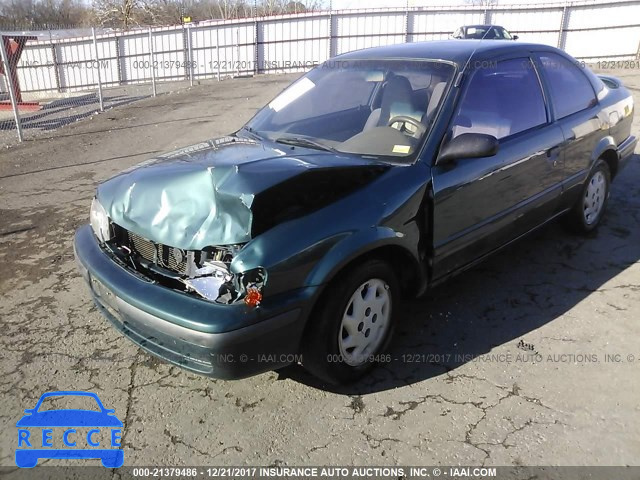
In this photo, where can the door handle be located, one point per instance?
(552, 155)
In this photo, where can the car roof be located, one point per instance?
(482, 26)
(451, 50)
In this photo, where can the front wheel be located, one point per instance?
(589, 210)
(352, 323)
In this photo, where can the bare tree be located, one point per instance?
(270, 7)
(35, 14)
(130, 13)
(113, 13)
(126, 14)
(302, 6)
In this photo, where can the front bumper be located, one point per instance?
(220, 341)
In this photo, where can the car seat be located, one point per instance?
(397, 99)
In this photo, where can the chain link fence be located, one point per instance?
(47, 85)
(51, 82)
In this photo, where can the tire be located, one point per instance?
(588, 211)
(361, 305)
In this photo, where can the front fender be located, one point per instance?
(358, 245)
(309, 250)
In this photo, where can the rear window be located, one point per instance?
(570, 89)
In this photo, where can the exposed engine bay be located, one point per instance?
(205, 273)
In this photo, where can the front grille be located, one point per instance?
(177, 260)
(143, 247)
(172, 258)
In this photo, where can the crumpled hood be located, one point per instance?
(205, 195)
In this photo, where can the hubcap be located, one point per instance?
(594, 198)
(365, 322)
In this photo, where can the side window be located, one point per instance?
(501, 99)
(501, 33)
(570, 89)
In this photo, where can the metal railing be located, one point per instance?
(63, 80)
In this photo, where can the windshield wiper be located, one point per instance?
(252, 132)
(304, 142)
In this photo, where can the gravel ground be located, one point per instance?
(463, 388)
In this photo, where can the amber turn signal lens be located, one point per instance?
(253, 297)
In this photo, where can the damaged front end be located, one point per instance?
(205, 273)
(181, 219)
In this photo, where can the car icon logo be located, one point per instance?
(69, 433)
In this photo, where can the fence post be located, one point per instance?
(563, 21)
(238, 51)
(232, 55)
(54, 57)
(95, 52)
(406, 23)
(118, 58)
(218, 50)
(330, 33)
(153, 68)
(256, 58)
(10, 87)
(56, 72)
(189, 55)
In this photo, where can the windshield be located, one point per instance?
(365, 107)
(488, 33)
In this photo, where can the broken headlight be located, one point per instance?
(100, 222)
(214, 281)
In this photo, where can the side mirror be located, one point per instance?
(468, 145)
(515, 37)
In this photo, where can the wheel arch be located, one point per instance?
(606, 150)
(401, 261)
(610, 157)
(407, 269)
(410, 275)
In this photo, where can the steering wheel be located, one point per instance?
(404, 119)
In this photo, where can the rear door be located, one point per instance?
(482, 203)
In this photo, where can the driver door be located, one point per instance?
(482, 203)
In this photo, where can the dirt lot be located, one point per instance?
(478, 398)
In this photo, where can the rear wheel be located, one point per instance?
(352, 324)
(590, 207)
